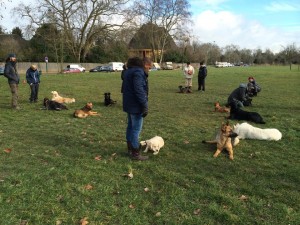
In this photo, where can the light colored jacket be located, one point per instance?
(189, 71)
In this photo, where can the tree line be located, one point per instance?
(99, 31)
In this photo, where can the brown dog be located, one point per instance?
(224, 139)
(219, 108)
(85, 111)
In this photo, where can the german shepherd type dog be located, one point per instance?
(53, 105)
(107, 100)
(219, 108)
(85, 111)
(238, 114)
(224, 139)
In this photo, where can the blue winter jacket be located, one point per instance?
(135, 90)
(32, 76)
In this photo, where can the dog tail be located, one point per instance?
(209, 142)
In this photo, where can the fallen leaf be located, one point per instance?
(84, 221)
(58, 222)
(129, 174)
(186, 142)
(146, 189)
(98, 157)
(243, 197)
(131, 206)
(24, 222)
(8, 150)
(88, 187)
(197, 211)
(113, 156)
(158, 214)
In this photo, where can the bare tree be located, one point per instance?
(171, 15)
(80, 22)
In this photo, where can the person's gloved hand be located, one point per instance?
(145, 112)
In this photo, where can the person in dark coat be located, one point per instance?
(238, 97)
(253, 87)
(201, 77)
(33, 79)
(135, 102)
(11, 73)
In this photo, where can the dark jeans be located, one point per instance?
(134, 128)
(34, 92)
(201, 83)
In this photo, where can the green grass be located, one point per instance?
(43, 179)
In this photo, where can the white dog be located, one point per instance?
(154, 144)
(56, 97)
(247, 131)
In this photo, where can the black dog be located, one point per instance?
(53, 105)
(239, 114)
(107, 100)
(182, 89)
(248, 102)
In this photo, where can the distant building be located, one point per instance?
(147, 42)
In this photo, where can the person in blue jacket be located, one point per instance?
(33, 79)
(135, 102)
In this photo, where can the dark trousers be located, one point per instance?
(34, 92)
(201, 83)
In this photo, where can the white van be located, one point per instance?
(116, 66)
(76, 66)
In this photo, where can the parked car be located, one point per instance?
(106, 68)
(116, 66)
(1, 70)
(168, 66)
(96, 69)
(71, 70)
(76, 66)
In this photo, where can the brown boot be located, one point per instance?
(135, 154)
(129, 147)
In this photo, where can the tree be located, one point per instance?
(17, 31)
(170, 15)
(79, 22)
(291, 54)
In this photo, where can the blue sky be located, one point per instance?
(251, 24)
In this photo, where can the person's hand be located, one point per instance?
(145, 112)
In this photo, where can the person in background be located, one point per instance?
(188, 74)
(253, 87)
(122, 76)
(11, 73)
(237, 98)
(201, 77)
(135, 102)
(33, 79)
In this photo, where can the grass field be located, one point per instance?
(55, 169)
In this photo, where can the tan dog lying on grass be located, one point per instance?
(219, 108)
(56, 97)
(85, 111)
(224, 140)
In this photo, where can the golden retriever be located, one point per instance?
(56, 97)
(224, 140)
(85, 111)
(219, 108)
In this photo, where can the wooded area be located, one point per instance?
(100, 31)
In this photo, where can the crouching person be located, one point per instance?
(135, 102)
